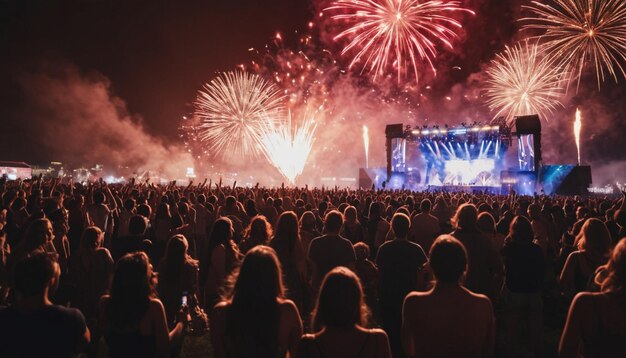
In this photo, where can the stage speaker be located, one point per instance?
(394, 131)
(577, 182)
(528, 124)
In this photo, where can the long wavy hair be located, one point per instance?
(131, 291)
(612, 276)
(594, 237)
(259, 229)
(288, 232)
(175, 258)
(252, 316)
(340, 302)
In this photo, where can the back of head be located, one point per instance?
(466, 217)
(131, 290)
(34, 273)
(37, 234)
(230, 201)
(260, 229)
(287, 226)
(425, 206)
(91, 239)
(144, 210)
(129, 204)
(351, 214)
(259, 280)
(595, 237)
(361, 250)
(333, 222)
(400, 224)
(534, 211)
(340, 301)
(222, 232)
(521, 230)
(448, 259)
(137, 225)
(98, 197)
(486, 223)
(307, 221)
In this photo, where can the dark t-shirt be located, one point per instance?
(327, 252)
(398, 262)
(524, 265)
(50, 331)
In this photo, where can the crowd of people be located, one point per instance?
(130, 270)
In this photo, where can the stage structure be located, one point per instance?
(465, 157)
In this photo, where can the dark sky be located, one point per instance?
(156, 54)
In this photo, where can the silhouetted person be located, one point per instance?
(399, 262)
(596, 322)
(448, 320)
(34, 327)
(339, 321)
(331, 250)
(255, 319)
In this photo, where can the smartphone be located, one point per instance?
(183, 301)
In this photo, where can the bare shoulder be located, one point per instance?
(378, 333)
(104, 300)
(288, 309)
(221, 306)
(585, 299)
(156, 305)
(415, 297)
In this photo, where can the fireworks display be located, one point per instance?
(581, 32)
(401, 34)
(233, 110)
(521, 82)
(288, 146)
(577, 127)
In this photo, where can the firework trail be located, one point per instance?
(366, 144)
(580, 32)
(398, 33)
(233, 110)
(520, 82)
(577, 127)
(288, 147)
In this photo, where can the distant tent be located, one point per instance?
(15, 170)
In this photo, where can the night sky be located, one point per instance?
(156, 54)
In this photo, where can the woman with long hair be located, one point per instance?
(178, 276)
(219, 259)
(254, 319)
(596, 322)
(308, 231)
(594, 247)
(525, 267)
(133, 318)
(162, 229)
(339, 320)
(286, 242)
(258, 232)
(91, 270)
(352, 228)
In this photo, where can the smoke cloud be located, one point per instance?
(80, 122)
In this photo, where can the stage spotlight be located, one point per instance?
(415, 132)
